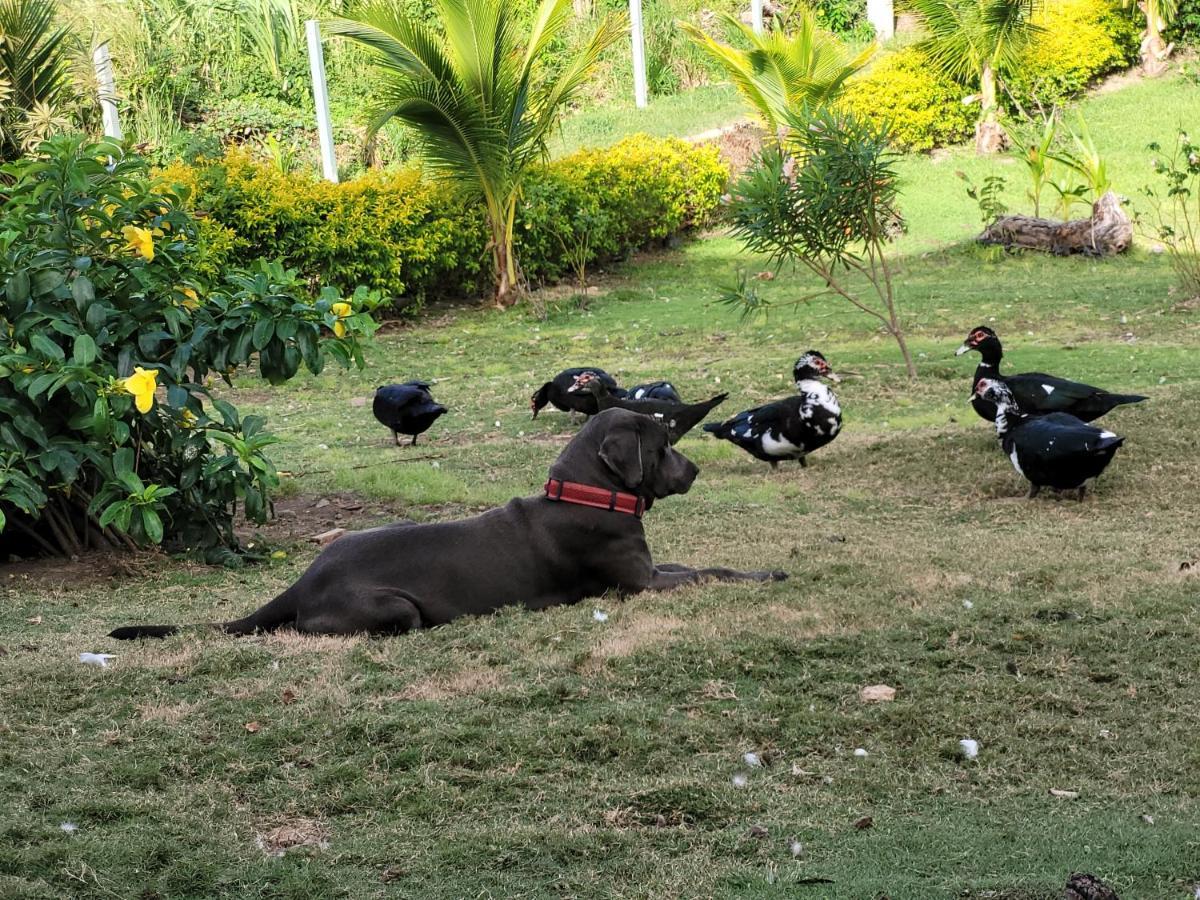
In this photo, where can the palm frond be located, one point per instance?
(782, 72)
(401, 44)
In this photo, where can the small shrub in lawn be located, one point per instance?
(109, 333)
(1175, 216)
(826, 200)
(922, 108)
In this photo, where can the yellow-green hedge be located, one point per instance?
(1081, 41)
(412, 237)
(924, 108)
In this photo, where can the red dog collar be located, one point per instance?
(598, 497)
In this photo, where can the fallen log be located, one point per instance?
(1107, 233)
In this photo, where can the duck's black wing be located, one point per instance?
(1036, 392)
(654, 390)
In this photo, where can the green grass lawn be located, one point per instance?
(676, 115)
(554, 755)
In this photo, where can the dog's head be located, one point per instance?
(627, 452)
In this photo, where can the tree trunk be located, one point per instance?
(504, 261)
(1154, 49)
(1106, 233)
(989, 136)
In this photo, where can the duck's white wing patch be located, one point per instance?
(1048, 388)
(780, 447)
(1016, 464)
(1106, 434)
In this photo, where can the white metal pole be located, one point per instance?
(108, 91)
(639, 53)
(756, 15)
(316, 62)
(881, 14)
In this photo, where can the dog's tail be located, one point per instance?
(274, 614)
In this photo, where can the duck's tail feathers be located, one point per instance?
(1120, 399)
(714, 428)
(1110, 442)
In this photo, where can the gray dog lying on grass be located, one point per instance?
(581, 538)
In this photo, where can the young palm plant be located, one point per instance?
(974, 42)
(1155, 50)
(477, 95)
(35, 71)
(783, 71)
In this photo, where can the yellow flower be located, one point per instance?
(139, 240)
(142, 385)
(191, 299)
(341, 310)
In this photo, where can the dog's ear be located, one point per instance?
(621, 451)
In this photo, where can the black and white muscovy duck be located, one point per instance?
(557, 392)
(1056, 450)
(1036, 392)
(791, 428)
(406, 408)
(680, 418)
(654, 390)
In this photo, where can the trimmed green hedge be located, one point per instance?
(925, 109)
(412, 238)
(1083, 41)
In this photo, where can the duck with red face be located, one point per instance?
(1035, 393)
(793, 427)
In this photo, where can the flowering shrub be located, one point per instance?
(410, 238)
(109, 336)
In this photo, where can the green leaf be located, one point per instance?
(100, 418)
(47, 347)
(131, 482)
(97, 315)
(47, 280)
(229, 413)
(85, 351)
(17, 289)
(252, 425)
(177, 397)
(264, 330)
(41, 383)
(113, 511)
(152, 524)
(123, 461)
(83, 291)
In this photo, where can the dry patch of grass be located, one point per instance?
(292, 834)
(167, 713)
(635, 632)
(466, 682)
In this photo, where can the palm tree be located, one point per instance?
(477, 95)
(975, 41)
(35, 74)
(782, 71)
(1159, 14)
